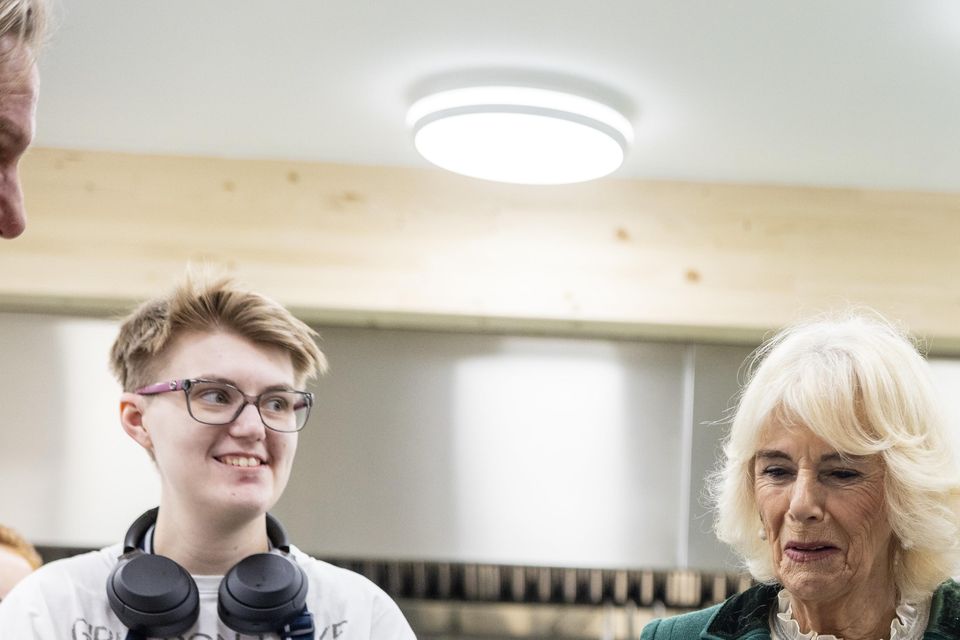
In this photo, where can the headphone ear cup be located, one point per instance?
(153, 595)
(262, 593)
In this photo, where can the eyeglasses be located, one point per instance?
(218, 403)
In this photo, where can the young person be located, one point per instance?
(212, 378)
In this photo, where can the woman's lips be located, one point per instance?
(809, 552)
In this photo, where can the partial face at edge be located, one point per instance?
(18, 101)
(823, 513)
(13, 569)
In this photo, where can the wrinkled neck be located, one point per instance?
(863, 615)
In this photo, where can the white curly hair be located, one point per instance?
(861, 385)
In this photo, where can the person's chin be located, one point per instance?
(249, 498)
(811, 583)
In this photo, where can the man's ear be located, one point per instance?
(131, 419)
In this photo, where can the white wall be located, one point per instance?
(69, 474)
(946, 376)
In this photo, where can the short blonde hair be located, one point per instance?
(860, 384)
(25, 20)
(217, 305)
(12, 539)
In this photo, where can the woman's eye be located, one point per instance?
(775, 472)
(844, 474)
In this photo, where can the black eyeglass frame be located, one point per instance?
(186, 384)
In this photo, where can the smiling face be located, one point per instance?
(823, 515)
(238, 469)
(18, 102)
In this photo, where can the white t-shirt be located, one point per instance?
(67, 599)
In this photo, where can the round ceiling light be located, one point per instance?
(520, 134)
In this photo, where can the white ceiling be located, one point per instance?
(822, 92)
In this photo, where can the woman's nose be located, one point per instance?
(806, 499)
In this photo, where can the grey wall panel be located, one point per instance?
(716, 386)
(488, 448)
(32, 431)
(69, 475)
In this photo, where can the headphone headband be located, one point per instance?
(135, 534)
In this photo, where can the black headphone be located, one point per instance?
(154, 596)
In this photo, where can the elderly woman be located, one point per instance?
(841, 492)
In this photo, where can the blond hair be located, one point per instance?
(25, 20)
(217, 305)
(860, 384)
(12, 539)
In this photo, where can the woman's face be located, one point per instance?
(823, 514)
(237, 467)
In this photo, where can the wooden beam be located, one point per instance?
(424, 248)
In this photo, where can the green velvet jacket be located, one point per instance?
(747, 616)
